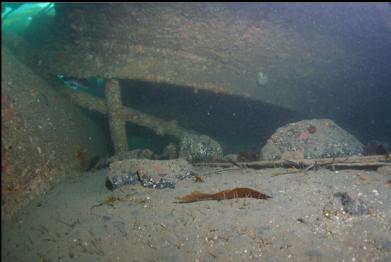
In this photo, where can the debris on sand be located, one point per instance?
(226, 194)
(247, 156)
(377, 148)
(110, 200)
(352, 204)
(198, 179)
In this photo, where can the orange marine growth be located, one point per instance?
(311, 129)
(226, 194)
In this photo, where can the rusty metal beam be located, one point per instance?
(159, 126)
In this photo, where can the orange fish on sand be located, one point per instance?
(226, 194)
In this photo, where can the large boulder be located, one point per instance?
(317, 138)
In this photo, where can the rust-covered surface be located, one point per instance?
(221, 47)
(44, 136)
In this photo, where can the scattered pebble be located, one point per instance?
(375, 192)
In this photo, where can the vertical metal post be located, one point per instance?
(116, 121)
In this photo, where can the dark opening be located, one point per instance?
(236, 123)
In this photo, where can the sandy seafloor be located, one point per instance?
(147, 224)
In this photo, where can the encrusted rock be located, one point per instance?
(317, 138)
(195, 148)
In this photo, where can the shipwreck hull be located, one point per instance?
(218, 47)
(301, 58)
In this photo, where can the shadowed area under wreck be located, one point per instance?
(236, 122)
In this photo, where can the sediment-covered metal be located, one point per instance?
(43, 136)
